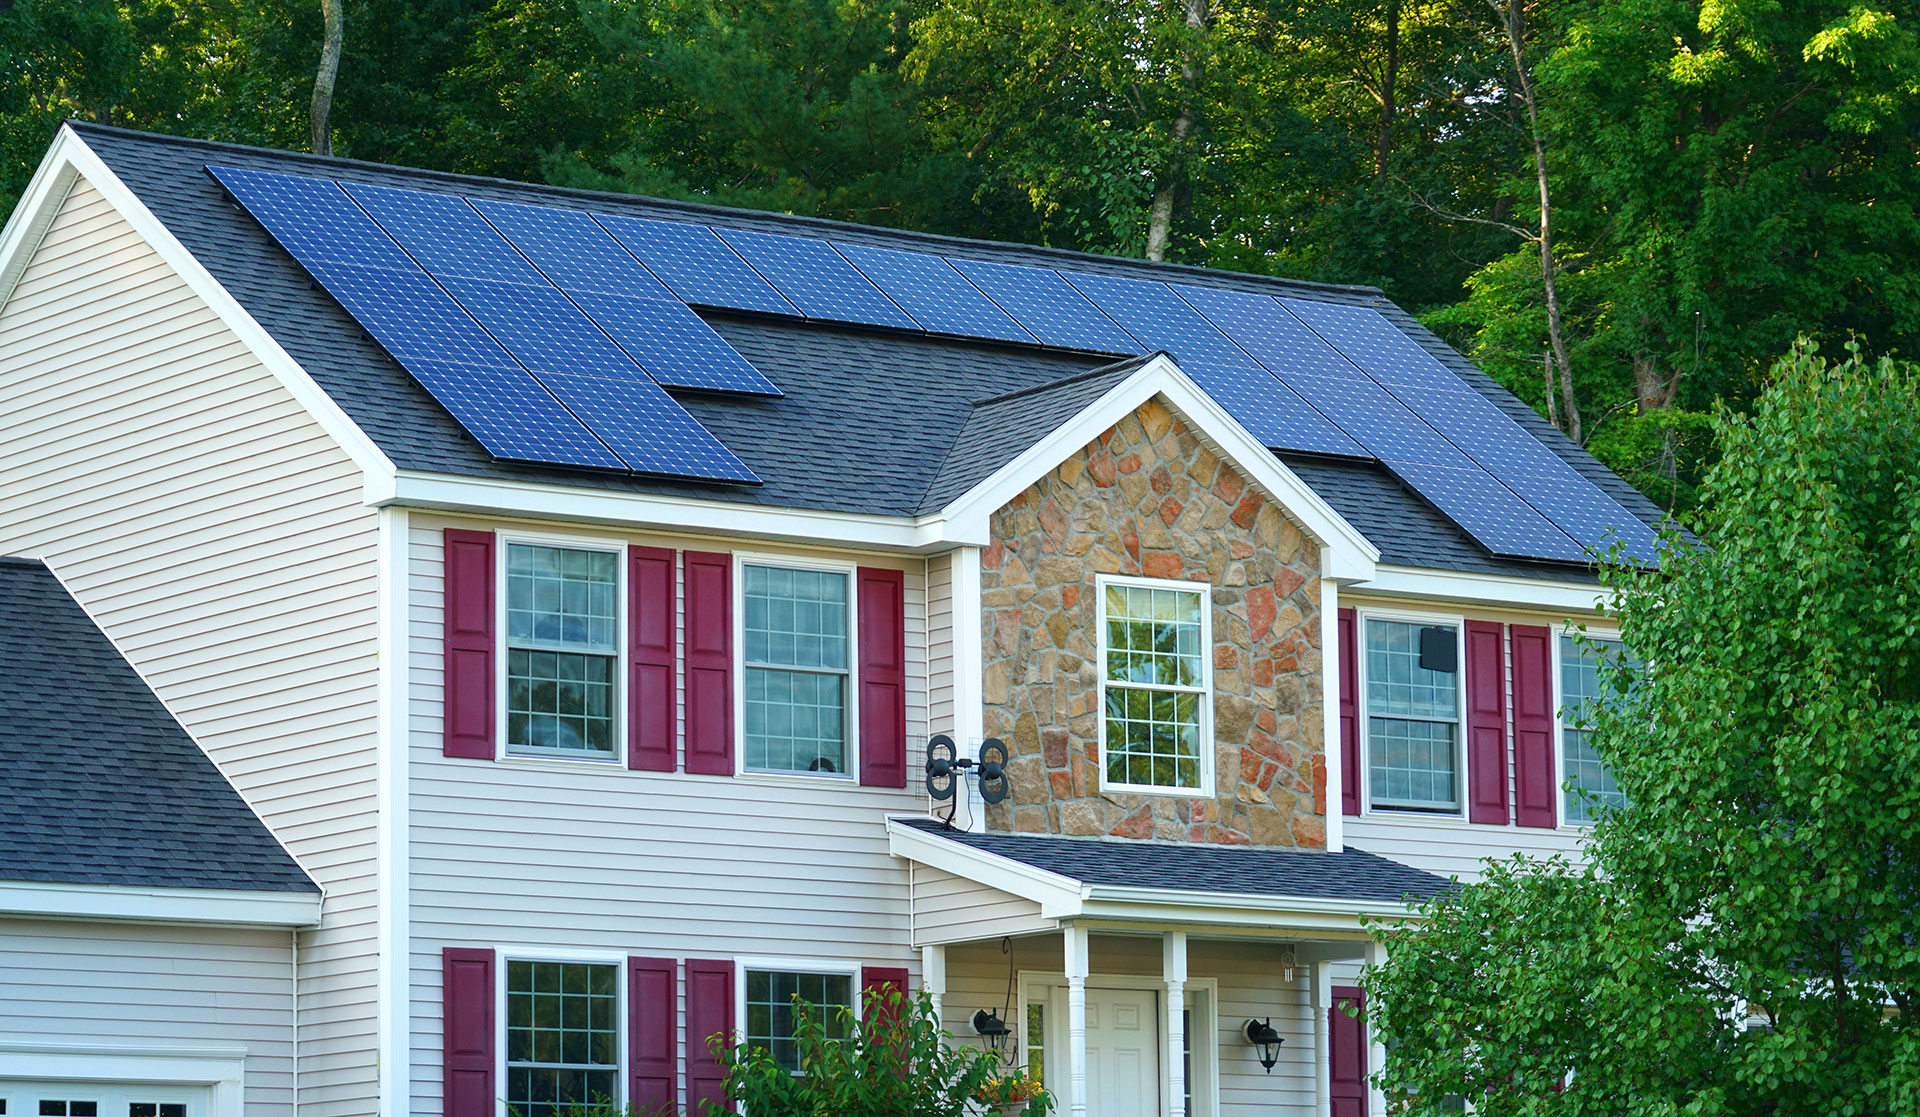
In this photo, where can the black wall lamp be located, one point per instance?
(990, 1027)
(1260, 1033)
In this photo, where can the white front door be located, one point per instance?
(1123, 1052)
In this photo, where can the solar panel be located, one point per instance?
(542, 328)
(1489, 511)
(312, 218)
(410, 315)
(1261, 326)
(647, 427)
(1153, 313)
(444, 234)
(1487, 434)
(511, 414)
(1376, 420)
(816, 279)
(1378, 346)
(1047, 306)
(1586, 512)
(1271, 412)
(574, 251)
(937, 297)
(673, 344)
(695, 264)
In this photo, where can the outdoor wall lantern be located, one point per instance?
(1260, 1033)
(990, 1027)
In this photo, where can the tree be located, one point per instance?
(334, 16)
(1742, 942)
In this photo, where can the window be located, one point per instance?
(1413, 715)
(563, 648)
(1582, 683)
(1154, 638)
(795, 651)
(1037, 1043)
(156, 1109)
(563, 1036)
(773, 1012)
(51, 1107)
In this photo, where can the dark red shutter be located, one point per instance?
(883, 678)
(469, 608)
(709, 1014)
(1347, 1054)
(651, 1043)
(1533, 714)
(709, 663)
(650, 639)
(892, 979)
(1349, 652)
(1486, 724)
(467, 1030)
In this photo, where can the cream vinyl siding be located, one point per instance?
(558, 855)
(156, 985)
(949, 908)
(218, 536)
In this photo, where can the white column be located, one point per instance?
(1376, 1050)
(1322, 978)
(933, 978)
(1173, 966)
(1076, 952)
(1337, 776)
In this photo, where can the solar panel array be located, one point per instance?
(550, 334)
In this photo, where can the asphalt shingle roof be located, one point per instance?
(1350, 874)
(872, 421)
(103, 786)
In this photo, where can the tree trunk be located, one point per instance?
(1160, 217)
(1653, 391)
(1546, 376)
(1510, 18)
(1389, 92)
(335, 15)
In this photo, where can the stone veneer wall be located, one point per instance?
(1149, 498)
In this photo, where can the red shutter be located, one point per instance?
(467, 1030)
(709, 663)
(651, 1043)
(709, 1014)
(1349, 652)
(469, 608)
(890, 978)
(1486, 724)
(1533, 714)
(650, 640)
(883, 678)
(1347, 1054)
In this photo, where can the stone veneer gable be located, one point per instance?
(1149, 498)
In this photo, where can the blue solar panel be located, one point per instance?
(695, 264)
(1048, 306)
(1262, 327)
(927, 287)
(647, 427)
(1489, 511)
(1153, 313)
(673, 344)
(409, 314)
(1487, 434)
(1376, 345)
(573, 250)
(511, 414)
(312, 218)
(543, 329)
(816, 279)
(1584, 511)
(1271, 412)
(444, 234)
(1368, 413)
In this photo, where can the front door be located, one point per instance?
(1123, 1052)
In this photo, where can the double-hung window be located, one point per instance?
(1156, 691)
(796, 651)
(563, 1036)
(1583, 684)
(776, 1000)
(563, 650)
(1413, 715)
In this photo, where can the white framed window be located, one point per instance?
(562, 1023)
(1156, 688)
(564, 604)
(1583, 685)
(1411, 684)
(768, 1002)
(796, 650)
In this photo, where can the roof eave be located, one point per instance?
(122, 903)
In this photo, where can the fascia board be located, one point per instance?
(70, 151)
(117, 903)
(1059, 897)
(1340, 913)
(32, 215)
(1458, 587)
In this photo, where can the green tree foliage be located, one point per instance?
(893, 1060)
(1744, 941)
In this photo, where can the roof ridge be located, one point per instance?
(826, 224)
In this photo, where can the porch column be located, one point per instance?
(1076, 952)
(1173, 966)
(1322, 1038)
(1376, 1050)
(933, 978)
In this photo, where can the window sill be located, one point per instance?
(607, 761)
(1150, 789)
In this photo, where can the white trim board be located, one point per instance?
(122, 903)
(221, 1069)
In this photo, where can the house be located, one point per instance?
(577, 586)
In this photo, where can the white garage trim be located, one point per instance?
(220, 1068)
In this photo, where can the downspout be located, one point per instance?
(296, 1022)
